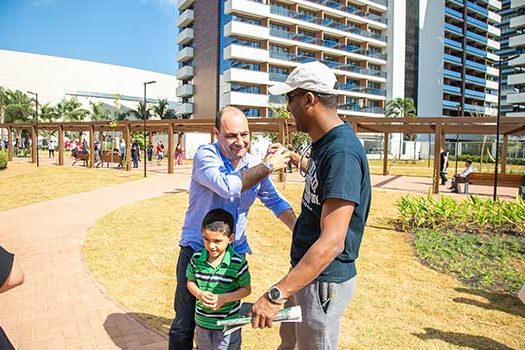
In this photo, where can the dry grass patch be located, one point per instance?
(399, 304)
(23, 183)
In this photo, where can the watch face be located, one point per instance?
(274, 294)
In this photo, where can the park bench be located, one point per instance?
(109, 157)
(487, 179)
(83, 156)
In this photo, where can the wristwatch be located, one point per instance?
(269, 165)
(275, 295)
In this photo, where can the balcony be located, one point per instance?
(185, 90)
(517, 4)
(185, 37)
(251, 8)
(516, 98)
(235, 51)
(245, 99)
(517, 41)
(184, 109)
(517, 22)
(246, 30)
(185, 19)
(186, 72)
(245, 76)
(186, 54)
(184, 4)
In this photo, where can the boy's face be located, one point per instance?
(215, 242)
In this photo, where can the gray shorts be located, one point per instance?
(323, 305)
(214, 339)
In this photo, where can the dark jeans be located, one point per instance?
(183, 326)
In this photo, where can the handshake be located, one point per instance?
(277, 157)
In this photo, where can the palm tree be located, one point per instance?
(3, 104)
(139, 112)
(401, 108)
(98, 112)
(18, 108)
(48, 113)
(71, 110)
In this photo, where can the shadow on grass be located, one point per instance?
(494, 301)
(175, 191)
(470, 341)
(130, 330)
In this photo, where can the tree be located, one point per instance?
(3, 104)
(48, 113)
(71, 110)
(298, 138)
(98, 112)
(138, 113)
(401, 108)
(19, 108)
(161, 108)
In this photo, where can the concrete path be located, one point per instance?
(59, 306)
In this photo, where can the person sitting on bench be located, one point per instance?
(462, 176)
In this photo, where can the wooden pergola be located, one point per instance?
(437, 126)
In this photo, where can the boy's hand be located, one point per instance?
(208, 299)
(220, 301)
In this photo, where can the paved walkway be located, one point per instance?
(60, 306)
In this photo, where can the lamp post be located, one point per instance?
(36, 124)
(500, 62)
(145, 118)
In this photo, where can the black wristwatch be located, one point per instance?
(275, 295)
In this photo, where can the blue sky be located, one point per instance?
(132, 33)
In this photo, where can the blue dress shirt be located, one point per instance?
(215, 183)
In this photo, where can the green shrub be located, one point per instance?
(3, 160)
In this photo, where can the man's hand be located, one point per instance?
(263, 312)
(278, 155)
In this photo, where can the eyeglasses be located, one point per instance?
(288, 96)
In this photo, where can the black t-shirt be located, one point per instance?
(338, 168)
(6, 265)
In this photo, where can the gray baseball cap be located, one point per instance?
(311, 76)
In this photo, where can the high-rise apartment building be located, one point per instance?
(231, 51)
(512, 44)
(458, 44)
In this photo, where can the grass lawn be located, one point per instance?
(399, 304)
(23, 183)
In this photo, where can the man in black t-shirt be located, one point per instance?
(334, 210)
(11, 275)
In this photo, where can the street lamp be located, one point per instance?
(145, 118)
(500, 62)
(36, 124)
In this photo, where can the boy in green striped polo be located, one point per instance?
(219, 278)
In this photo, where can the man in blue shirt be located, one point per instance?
(334, 209)
(224, 176)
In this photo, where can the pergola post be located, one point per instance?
(61, 144)
(9, 143)
(385, 154)
(127, 139)
(91, 145)
(504, 153)
(438, 137)
(34, 147)
(171, 148)
(282, 140)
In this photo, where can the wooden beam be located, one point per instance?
(282, 140)
(10, 143)
(504, 154)
(34, 147)
(385, 153)
(437, 149)
(171, 148)
(61, 145)
(91, 145)
(127, 140)
(212, 136)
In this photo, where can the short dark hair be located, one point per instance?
(329, 101)
(225, 109)
(218, 220)
(468, 161)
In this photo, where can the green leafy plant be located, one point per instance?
(3, 160)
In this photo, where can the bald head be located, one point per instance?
(228, 112)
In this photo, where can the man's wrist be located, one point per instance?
(269, 165)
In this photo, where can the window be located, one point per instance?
(244, 42)
(374, 85)
(305, 53)
(374, 67)
(251, 112)
(279, 70)
(306, 33)
(279, 27)
(248, 89)
(247, 66)
(307, 12)
(246, 20)
(275, 48)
